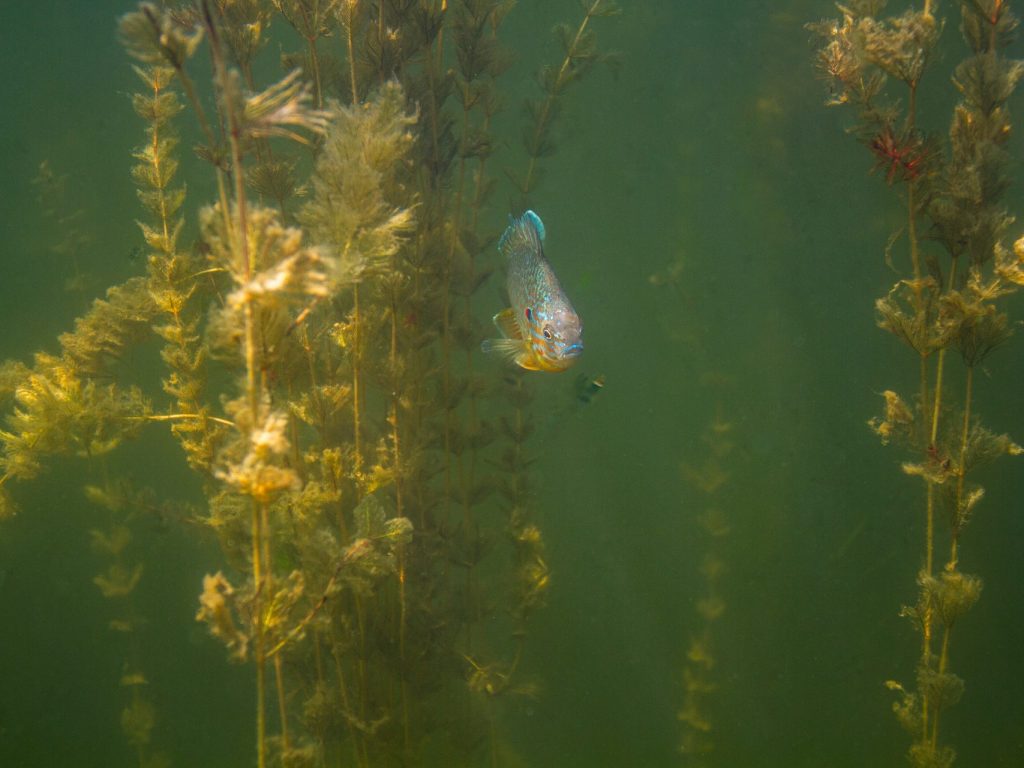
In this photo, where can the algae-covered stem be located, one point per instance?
(446, 293)
(557, 85)
(181, 416)
(475, 206)
(951, 564)
(396, 449)
(957, 523)
(920, 310)
(467, 205)
(430, 66)
(930, 719)
(155, 84)
(357, 322)
(241, 240)
(933, 437)
(240, 246)
(356, 319)
(156, 160)
(133, 665)
(350, 44)
(396, 388)
(381, 37)
(197, 106)
(314, 56)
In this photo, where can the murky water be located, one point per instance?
(722, 534)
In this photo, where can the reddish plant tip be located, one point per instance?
(904, 158)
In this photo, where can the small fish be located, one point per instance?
(588, 387)
(540, 331)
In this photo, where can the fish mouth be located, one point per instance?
(574, 350)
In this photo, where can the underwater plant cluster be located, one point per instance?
(368, 488)
(948, 303)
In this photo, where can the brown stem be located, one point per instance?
(401, 649)
(962, 472)
(549, 102)
(920, 310)
(350, 42)
(357, 459)
(244, 265)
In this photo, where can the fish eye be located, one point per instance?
(547, 333)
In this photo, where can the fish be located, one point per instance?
(540, 331)
(586, 387)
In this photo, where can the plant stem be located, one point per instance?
(380, 38)
(350, 42)
(396, 389)
(358, 737)
(357, 458)
(179, 416)
(951, 564)
(401, 649)
(921, 310)
(549, 102)
(257, 578)
(244, 265)
(211, 140)
(962, 472)
(454, 224)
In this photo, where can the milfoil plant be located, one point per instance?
(947, 306)
(369, 488)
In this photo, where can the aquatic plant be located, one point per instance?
(65, 220)
(581, 53)
(707, 477)
(317, 345)
(708, 480)
(950, 300)
(124, 506)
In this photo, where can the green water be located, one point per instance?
(709, 146)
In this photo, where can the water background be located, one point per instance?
(710, 146)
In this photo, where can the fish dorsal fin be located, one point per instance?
(505, 322)
(525, 232)
(538, 225)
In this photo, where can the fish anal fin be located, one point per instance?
(505, 322)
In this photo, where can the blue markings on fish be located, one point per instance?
(540, 331)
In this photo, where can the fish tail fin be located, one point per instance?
(526, 231)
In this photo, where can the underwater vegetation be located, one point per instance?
(708, 481)
(947, 307)
(368, 487)
(709, 474)
(67, 221)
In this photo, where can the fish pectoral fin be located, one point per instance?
(510, 349)
(505, 322)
